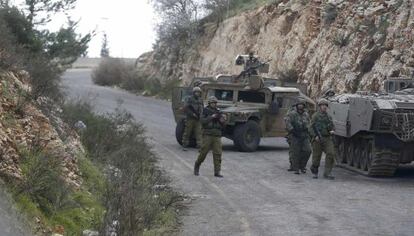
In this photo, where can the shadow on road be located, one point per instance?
(232, 148)
(405, 172)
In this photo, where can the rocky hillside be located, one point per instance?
(24, 127)
(345, 45)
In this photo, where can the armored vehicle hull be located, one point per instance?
(374, 134)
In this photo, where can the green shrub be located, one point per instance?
(330, 12)
(42, 181)
(118, 143)
(342, 39)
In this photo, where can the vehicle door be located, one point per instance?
(275, 123)
(179, 95)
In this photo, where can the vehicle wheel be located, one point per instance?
(364, 157)
(179, 133)
(246, 137)
(350, 154)
(358, 155)
(340, 152)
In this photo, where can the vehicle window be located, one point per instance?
(284, 102)
(251, 96)
(185, 93)
(391, 87)
(223, 95)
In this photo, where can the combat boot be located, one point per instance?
(218, 175)
(196, 170)
(315, 176)
(330, 177)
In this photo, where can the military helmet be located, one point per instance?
(300, 100)
(323, 101)
(212, 99)
(196, 89)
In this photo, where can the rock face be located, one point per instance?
(23, 126)
(344, 45)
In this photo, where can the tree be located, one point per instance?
(105, 46)
(45, 9)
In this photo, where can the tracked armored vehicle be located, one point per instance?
(375, 132)
(255, 106)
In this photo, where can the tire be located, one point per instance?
(246, 137)
(179, 133)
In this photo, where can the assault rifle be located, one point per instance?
(317, 132)
(196, 113)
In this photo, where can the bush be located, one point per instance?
(132, 199)
(114, 71)
(342, 39)
(44, 193)
(330, 12)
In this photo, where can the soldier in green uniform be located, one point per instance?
(193, 109)
(321, 131)
(250, 63)
(297, 123)
(213, 122)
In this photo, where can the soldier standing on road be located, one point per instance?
(213, 123)
(321, 130)
(297, 123)
(193, 109)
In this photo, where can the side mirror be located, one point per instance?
(274, 108)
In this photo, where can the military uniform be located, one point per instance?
(321, 127)
(299, 143)
(250, 63)
(193, 110)
(212, 132)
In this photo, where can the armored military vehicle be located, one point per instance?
(375, 132)
(255, 107)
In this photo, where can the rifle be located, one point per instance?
(248, 70)
(317, 132)
(194, 111)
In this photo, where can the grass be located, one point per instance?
(118, 144)
(45, 196)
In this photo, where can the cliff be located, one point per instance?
(344, 45)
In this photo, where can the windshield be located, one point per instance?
(221, 94)
(251, 96)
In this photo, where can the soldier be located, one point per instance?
(321, 130)
(193, 109)
(250, 63)
(213, 122)
(297, 123)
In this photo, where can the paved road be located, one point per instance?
(11, 224)
(258, 196)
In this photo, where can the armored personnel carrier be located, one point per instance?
(375, 132)
(255, 107)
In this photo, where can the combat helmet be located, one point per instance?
(323, 101)
(212, 99)
(196, 89)
(300, 100)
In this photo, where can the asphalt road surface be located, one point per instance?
(258, 196)
(11, 223)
